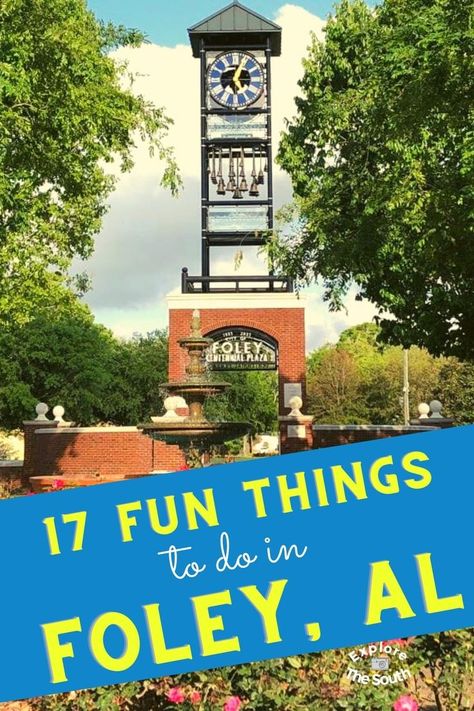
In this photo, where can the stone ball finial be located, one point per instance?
(296, 403)
(41, 410)
(423, 410)
(58, 413)
(171, 404)
(436, 409)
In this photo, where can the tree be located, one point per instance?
(65, 114)
(359, 381)
(141, 369)
(333, 387)
(456, 390)
(252, 398)
(66, 358)
(381, 155)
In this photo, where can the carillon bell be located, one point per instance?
(237, 194)
(213, 168)
(221, 187)
(254, 168)
(261, 174)
(243, 185)
(254, 192)
(242, 163)
(231, 185)
(231, 166)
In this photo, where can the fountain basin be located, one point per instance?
(193, 434)
(202, 388)
(196, 434)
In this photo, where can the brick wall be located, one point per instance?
(114, 451)
(334, 435)
(29, 429)
(11, 472)
(285, 325)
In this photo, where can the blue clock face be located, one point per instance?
(235, 80)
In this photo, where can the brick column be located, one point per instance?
(296, 434)
(29, 428)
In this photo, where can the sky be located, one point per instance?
(147, 235)
(166, 21)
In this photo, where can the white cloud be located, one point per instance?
(148, 236)
(323, 326)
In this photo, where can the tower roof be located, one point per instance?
(235, 24)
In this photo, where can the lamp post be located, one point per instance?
(406, 388)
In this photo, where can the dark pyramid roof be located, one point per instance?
(235, 23)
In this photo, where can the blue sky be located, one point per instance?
(165, 21)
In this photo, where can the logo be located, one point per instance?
(379, 664)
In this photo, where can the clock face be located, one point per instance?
(235, 79)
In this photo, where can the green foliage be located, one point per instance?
(65, 113)
(64, 357)
(446, 664)
(315, 682)
(360, 381)
(61, 356)
(252, 397)
(381, 155)
(456, 390)
(109, 698)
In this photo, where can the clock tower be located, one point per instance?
(256, 322)
(235, 47)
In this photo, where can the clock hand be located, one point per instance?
(239, 70)
(238, 84)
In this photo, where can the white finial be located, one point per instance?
(296, 403)
(41, 410)
(436, 408)
(171, 403)
(423, 410)
(58, 412)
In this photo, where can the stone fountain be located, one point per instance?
(195, 433)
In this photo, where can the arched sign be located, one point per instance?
(240, 348)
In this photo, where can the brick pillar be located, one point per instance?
(29, 428)
(296, 434)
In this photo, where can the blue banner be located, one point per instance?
(236, 563)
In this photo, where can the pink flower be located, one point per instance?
(400, 642)
(195, 697)
(405, 703)
(176, 695)
(59, 484)
(233, 703)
